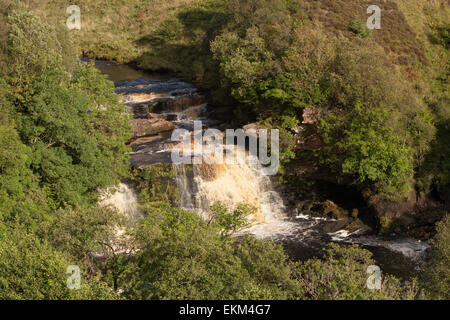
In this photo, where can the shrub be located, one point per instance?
(360, 29)
(342, 275)
(436, 279)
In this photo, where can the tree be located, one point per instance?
(95, 237)
(229, 222)
(342, 275)
(31, 269)
(436, 280)
(69, 116)
(371, 131)
(183, 257)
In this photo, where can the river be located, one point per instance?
(176, 104)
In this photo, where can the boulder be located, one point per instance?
(149, 127)
(326, 208)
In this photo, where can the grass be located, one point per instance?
(400, 41)
(110, 29)
(175, 34)
(123, 30)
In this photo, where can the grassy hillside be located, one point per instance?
(122, 30)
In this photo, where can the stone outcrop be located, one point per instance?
(415, 215)
(149, 127)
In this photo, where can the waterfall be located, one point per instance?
(124, 200)
(202, 185)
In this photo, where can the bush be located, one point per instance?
(360, 29)
(73, 123)
(342, 275)
(183, 257)
(436, 279)
(31, 269)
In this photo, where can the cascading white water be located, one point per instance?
(124, 200)
(202, 185)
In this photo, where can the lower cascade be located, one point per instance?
(202, 185)
(123, 200)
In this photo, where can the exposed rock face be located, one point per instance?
(415, 215)
(149, 127)
(158, 107)
(179, 103)
(307, 136)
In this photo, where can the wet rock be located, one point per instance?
(140, 111)
(149, 127)
(138, 160)
(324, 208)
(178, 103)
(333, 226)
(172, 117)
(152, 115)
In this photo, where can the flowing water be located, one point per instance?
(201, 185)
(123, 199)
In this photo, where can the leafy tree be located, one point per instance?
(342, 275)
(244, 61)
(270, 19)
(270, 267)
(73, 123)
(15, 173)
(183, 257)
(229, 222)
(369, 132)
(92, 236)
(436, 280)
(362, 145)
(31, 269)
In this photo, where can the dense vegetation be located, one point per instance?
(276, 58)
(384, 124)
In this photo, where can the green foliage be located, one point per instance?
(156, 184)
(360, 29)
(85, 234)
(307, 66)
(269, 265)
(244, 61)
(183, 257)
(269, 19)
(33, 46)
(443, 35)
(370, 133)
(341, 275)
(229, 222)
(436, 279)
(436, 167)
(31, 269)
(15, 173)
(364, 147)
(287, 139)
(62, 136)
(73, 124)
